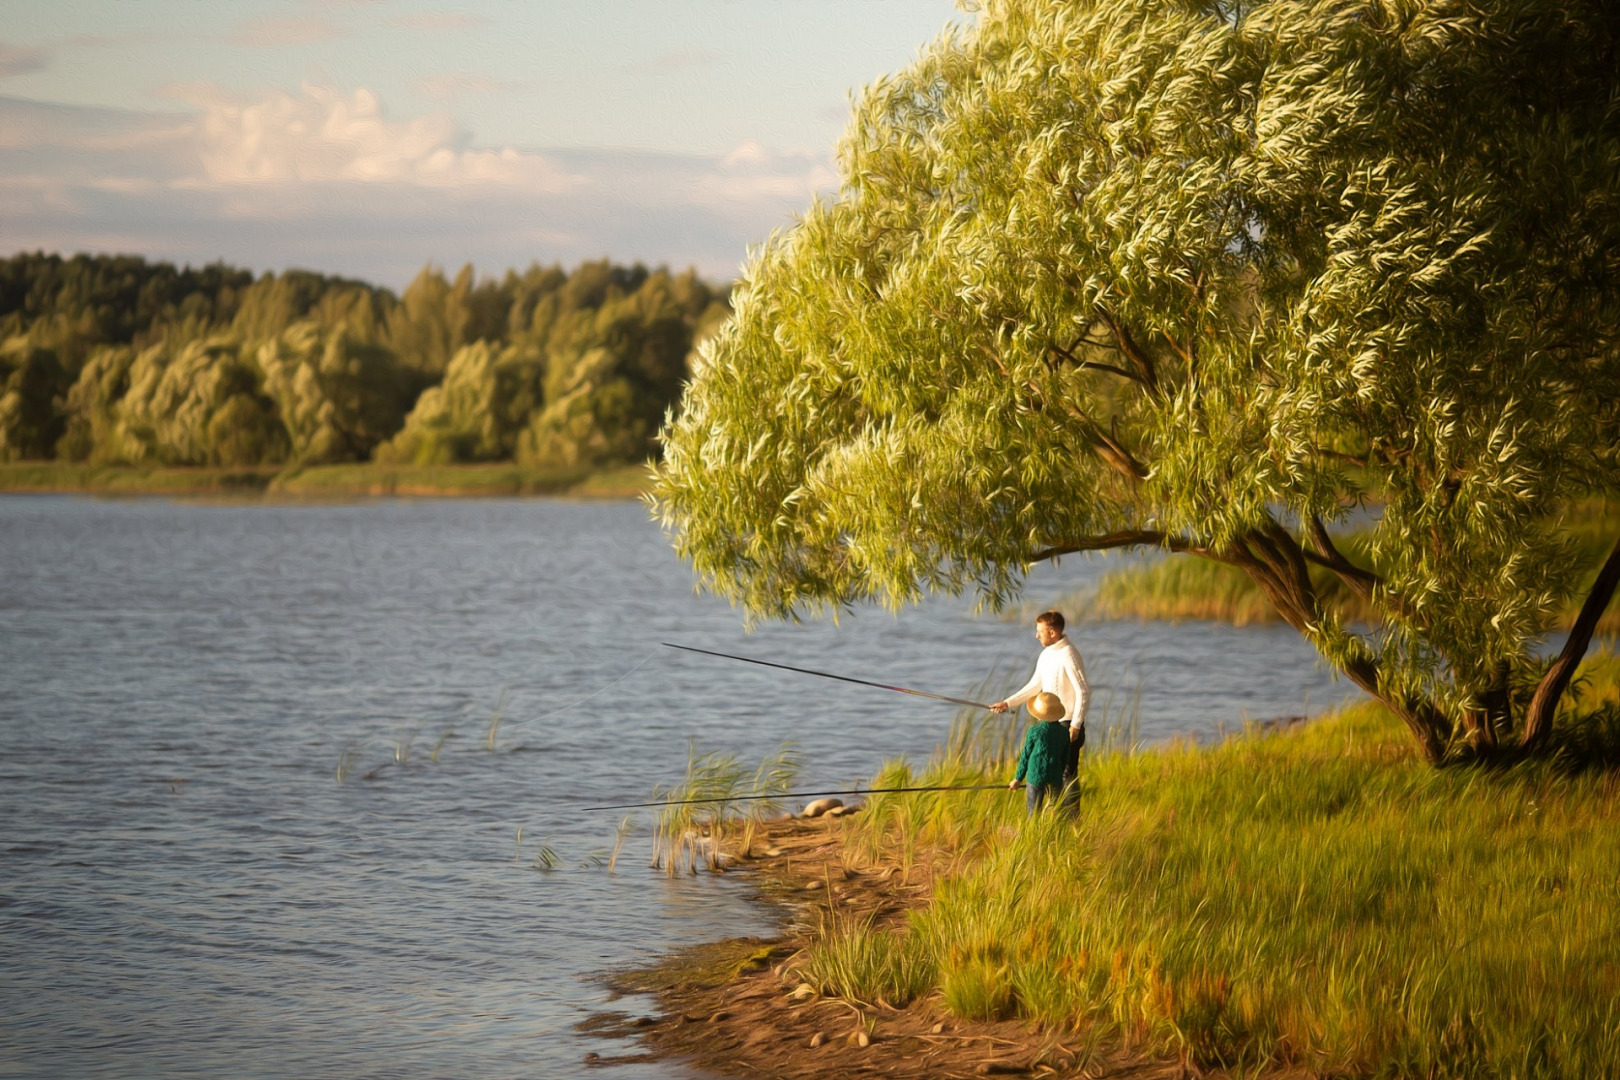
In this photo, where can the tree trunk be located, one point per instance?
(1479, 731)
(1274, 560)
(1426, 723)
(1538, 719)
(1484, 724)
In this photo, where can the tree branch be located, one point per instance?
(1276, 562)
(1326, 554)
(1109, 448)
(1119, 457)
(1538, 719)
(1127, 538)
(1068, 355)
(1186, 355)
(1359, 462)
(1132, 351)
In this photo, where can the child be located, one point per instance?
(1046, 751)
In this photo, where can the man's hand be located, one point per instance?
(1015, 785)
(1000, 706)
(1074, 734)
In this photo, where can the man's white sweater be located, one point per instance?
(1059, 670)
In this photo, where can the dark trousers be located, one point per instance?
(1071, 768)
(1036, 794)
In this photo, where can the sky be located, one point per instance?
(371, 137)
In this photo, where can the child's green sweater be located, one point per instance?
(1046, 749)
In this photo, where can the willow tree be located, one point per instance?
(1204, 277)
(477, 413)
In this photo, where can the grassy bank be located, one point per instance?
(1183, 587)
(1317, 898)
(323, 481)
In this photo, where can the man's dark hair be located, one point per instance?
(1051, 618)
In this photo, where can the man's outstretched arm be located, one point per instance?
(1013, 700)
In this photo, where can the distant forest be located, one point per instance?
(115, 360)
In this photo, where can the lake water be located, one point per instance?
(186, 888)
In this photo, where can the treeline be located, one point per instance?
(113, 360)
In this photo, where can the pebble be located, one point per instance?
(860, 1038)
(817, 1039)
(822, 806)
(840, 811)
(802, 991)
(937, 1028)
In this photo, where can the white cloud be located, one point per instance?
(322, 134)
(324, 178)
(750, 153)
(751, 171)
(20, 59)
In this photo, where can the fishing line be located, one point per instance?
(830, 675)
(800, 795)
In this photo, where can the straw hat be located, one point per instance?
(1046, 706)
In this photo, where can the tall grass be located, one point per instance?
(860, 961)
(701, 810)
(1178, 588)
(1319, 898)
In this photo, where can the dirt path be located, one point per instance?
(735, 1007)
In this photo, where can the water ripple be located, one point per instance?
(188, 891)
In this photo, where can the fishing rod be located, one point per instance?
(830, 675)
(802, 795)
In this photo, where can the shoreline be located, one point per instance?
(321, 482)
(737, 1007)
(1235, 909)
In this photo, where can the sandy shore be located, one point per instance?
(739, 1008)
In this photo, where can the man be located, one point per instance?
(1058, 670)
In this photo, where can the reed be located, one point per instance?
(865, 963)
(495, 720)
(346, 759)
(1178, 588)
(625, 825)
(1315, 898)
(402, 747)
(1111, 731)
(689, 833)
